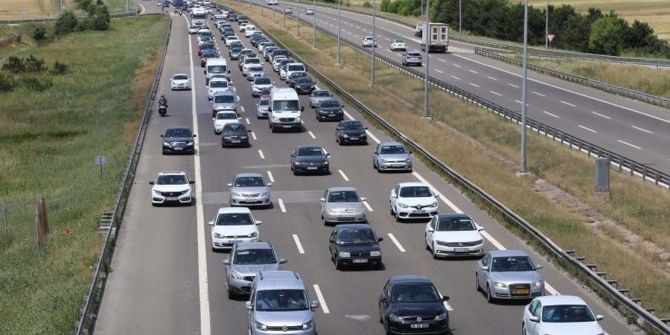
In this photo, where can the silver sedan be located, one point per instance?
(250, 189)
(509, 274)
(342, 204)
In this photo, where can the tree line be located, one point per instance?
(593, 31)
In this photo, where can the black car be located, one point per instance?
(329, 109)
(302, 85)
(277, 52)
(412, 305)
(235, 135)
(178, 140)
(351, 131)
(226, 33)
(309, 159)
(232, 17)
(234, 53)
(355, 245)
(208, 53)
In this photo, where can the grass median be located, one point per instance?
(48, 142)
(485, 148)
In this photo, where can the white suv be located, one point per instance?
(171, 187)
(232, 225)
(413, 201)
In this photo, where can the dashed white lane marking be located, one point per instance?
(515, 86)
(538, 94)
(630, 145)
(311, 134)
(438, 71)
(551, 114)
(475, 85)
(298, 244)
(601, 115)
(588, 129)
(456, 65)
(442, 60)
(395, 241)
(247, 120)
(496, 93)
(242, 108)
(567, 103)
(271, 177)
(642, 129)
(473, 71)
(452, 76)
(253, 135)
(372, 136)
(322, 301)
(492, 78)
(520, 103)
(344, 176)
(367, 205)
(493, 241)
(260, 153)
(281, 205)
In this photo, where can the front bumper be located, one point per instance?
(180, 86)
(403, 166)
(233, 141)
(250, 201)
(227, 243)
(327, 115)
(178, 149)
(510, 292)
(344, 216)
(411, 213)
(278, 330)
(163, 199)
(363, 261)
(413, 62)
(432, 327)
(363, 138)
(304, 90)
(460, 251)
(308, 168)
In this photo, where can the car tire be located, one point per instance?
(523, 328)
(338, 265)
(489, 297)
(231, 295)
(479, 289)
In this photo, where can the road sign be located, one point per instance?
(550, 37)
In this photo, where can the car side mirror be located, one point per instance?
(480, 228)
(379, 239)
(269, 184)
(194, 135)
(230, 185)
(204, 71)
(435, 194)
(226, 261)
(248, 130)
(327, 154)
(382, 299)
(211, 223)
(484, 267)
(599, 317)
(248, 305)
(162, 135)
(538, 266)
(213, 118)
(314, 304)
(534, 318)
(191, 181)
(323, 199)
(445, 298)
(394, 196)
(302, 108)
(366, 128)
(364, 199)
(152, 182)
(282, 261)
(269, 109)
(259, 222)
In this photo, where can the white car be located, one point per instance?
(180, 81)
(248, 63)
(413, 200)
(193, 29)
(291, 68)
(368, 42)
(243, 27)
(276, 61)
(230, 39)
(560, 315)
(217, 85)
(171, 187)
(453, 234)
(398, 45)
(223, 118)
(288, 10)
(250, 30)
(309, 11)
(232, 225)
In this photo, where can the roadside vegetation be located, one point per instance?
(48, 142)
(558, 198)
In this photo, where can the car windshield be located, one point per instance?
(352, 126)
(178, 132)
(567, 313)
(398, 41)
(254, 256)
(392, 150)
(455, 224)
(226, 116)
(279, 52)
(180, 77)
(171, 179)
(320, 94)
(329, 104)
(235, 49)
(216, 69)
(210, 54)
(264, 102)
(414, 293)
(234, 219)
(343, 196)
(281, 300)
(286, 105)
(413, 54)
(303, 80)
(364, 235)
(297, 75)
(234, 128)
(224, 99)
(218, 83)
(311, 151)
(512, 264)
(263, 81)
(256, 69)
(254, 181)
(415, 192)
(296, 68)
(252, 61)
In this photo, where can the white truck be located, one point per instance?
(436, 39)
(285, 110)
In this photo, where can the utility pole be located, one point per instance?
(523, 169)
(425, 35)
(546, 27)
(460, 16)
(339, 29)
(274, 12)
(297, 28)
(374, 43)
(314, 24)
(284, 12)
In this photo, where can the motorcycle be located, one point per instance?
(162, 109)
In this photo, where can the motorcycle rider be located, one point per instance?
(162, 101)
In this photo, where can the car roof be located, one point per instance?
(341, 188)
(300, 146)
(278, 280)
(226, 210)
(170, 173)
(351, 121)
(248, 174)
(508, 253)
(172, 128)
(410, 279)
(412, 184)
(560, 300)
(179, 74)
(226, 92)
(253, 245)
(391, 143)
(452, 215)
(352, 226)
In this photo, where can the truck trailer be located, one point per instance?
(435, 38)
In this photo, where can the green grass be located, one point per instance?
(47, 145)
(485, 149)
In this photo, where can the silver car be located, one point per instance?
(245, 261)
(509, 274)
(392, 156)
(254, 72)
(263, 109)
(224, 101)
(250, 189)
(342, 204)
(261, 84)
(317, 96)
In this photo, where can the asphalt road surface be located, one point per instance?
(165, 278)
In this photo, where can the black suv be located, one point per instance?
(355, 245)
(178, 140)
(351, 131)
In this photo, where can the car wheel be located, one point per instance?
(425, 241)
(479, 289)
(391, 209)
(432, 251)
(338, 265)
(489, 297)
(523, 328)
(231, 294)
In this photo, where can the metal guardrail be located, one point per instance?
(643, 317)
(626, 92)
(89, 311)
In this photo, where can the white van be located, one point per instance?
(285, 109)
(215, 66)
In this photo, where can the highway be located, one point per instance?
(165, 278)
(631, 128)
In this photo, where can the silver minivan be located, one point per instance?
(279, 304)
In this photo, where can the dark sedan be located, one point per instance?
(235, 135)
(178, 140)
(208, 53)
(302, 85)
(329, 109)
(412, 305)
(351, 131)
(355, 245)
(234, 53)
(309, 159)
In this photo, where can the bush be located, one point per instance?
(35, 84)
(14, 65)
(5, 83)
(59, 68)
(367, 4)
(66, 23)
(33, 64)
(98, 18)
(39, 34)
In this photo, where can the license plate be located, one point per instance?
(419, 211)
(354, 138)
(178, 148)
(360, 260)
(311, 168)
(520, 291)
(171, 199)
(419, 325)
(287, 126)
(460, 250)
(235, 141)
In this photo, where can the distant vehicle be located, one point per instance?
(560, 315)
(180, 81)
(230, 39)
(418, 29)
(250, 189)
(453, 234)
(245, 261)
(309, 159)
(391, 156)
(288, 10)
(438, 38)
(285, 109)
(215, 66)
(355, 245)
(235, 134)
(411, 58)
(342, 204)
(192, 29)
(309, 11)
(248, 62)
(207, 54)
(232, 225)
(262, 108)
(413, 200)
(223, 118)
(302, 85)
(508, 274)
(368, 42)
(171, 187)
(279, 62)
(255, 72)
(224, 101)
(351, 131)
(398, 45)
(329, 109)
(284, 74)
(234, 53)
(317, 96)
(250, 30)
(271, 2)
(177, 140)
(261, 84)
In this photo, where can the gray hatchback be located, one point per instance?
(245, 261)
(392, 156)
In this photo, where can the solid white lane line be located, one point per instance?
(630, 145)
(344, 176)
(492, 78)
(601, 115)
(372, 136)
(322, 301)
(395, 241)
(519, 102)
(438, 71)
(567, 103)
(550, 289)
(242, 108)
(260, 153)
(496, 93)
(452, 76)
(281, 205)
(538, 94)
(271, 177)
(367, 205)
(515, 86)
(247, 119)
(442, 197)
(492, 240)
(589, 129)
(456, 65)
(298, 244)
(473, 71)
(203, 285)
(550, 114)
(311, 134)
(253, 135)
(475, 85)
(642, 129)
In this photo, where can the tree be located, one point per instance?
(445, 11)
(66, 23)
(607, 35)
(39, 34)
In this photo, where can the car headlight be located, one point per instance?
(325, 163)
(167, 144)
(253, 235)
(264, 194)
(227, 137)
(344, 254)
(499, 284)
(441, 317)
(375, 253)
(345, 135)
(382, 160)
(408, 159)
(307, 325)
(401, 205)
(478, 242)
(395, 318)
(442, 243)
(156, 193)
(297, 163)
(217, 235)
(189, 143)
(537, 283)
(261, 326)
(243, 137)
(237, 194)
(235, 275)
(434, 204)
